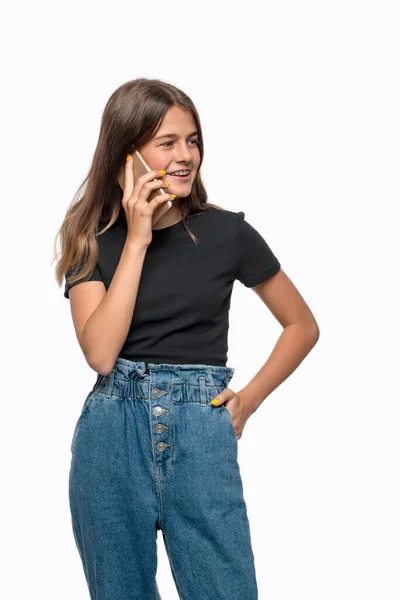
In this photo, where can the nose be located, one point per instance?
(182, 152)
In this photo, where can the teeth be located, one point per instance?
(181, 173)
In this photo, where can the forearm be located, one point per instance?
(292, 346)
(106, 329)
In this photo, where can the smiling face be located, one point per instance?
(175, 147)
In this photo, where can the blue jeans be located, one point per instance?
(150, 452)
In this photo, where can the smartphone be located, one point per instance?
(140, 167)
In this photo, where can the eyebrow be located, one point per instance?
(173, 135)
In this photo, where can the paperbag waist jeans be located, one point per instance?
(149, 453)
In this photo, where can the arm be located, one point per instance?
(102, 318)
(299, 336)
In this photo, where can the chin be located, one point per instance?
(180, 194)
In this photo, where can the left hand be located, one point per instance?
(235, 405)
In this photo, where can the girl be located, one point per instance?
(156, 443)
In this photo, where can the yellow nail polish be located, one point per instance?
(173, 195)
(167, 183)
(162, 171)
(215, 401)
(128, 156)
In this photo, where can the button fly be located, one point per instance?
(156, 393)
(157, 411)
(161, 446)
(159, 428)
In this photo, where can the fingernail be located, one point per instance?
(167, 183)
(215, 401)
(162, 171)
(173, 195)
(128, 156)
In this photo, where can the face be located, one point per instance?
(175, 147)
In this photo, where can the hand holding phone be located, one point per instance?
(144, 199)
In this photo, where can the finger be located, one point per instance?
(148, 188)
(161, 199)
(158, 201)
(151, 175)
(225, 395)
(129, 176)
(150, 179)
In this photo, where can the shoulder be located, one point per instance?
(109, 234)
(222, 213)
(225, 217)
(215, 223)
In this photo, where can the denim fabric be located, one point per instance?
(150, 452)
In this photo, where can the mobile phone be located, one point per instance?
(140, 167)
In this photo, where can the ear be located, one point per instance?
(121, 178)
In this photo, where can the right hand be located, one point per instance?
(138, 210)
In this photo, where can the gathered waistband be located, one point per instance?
(136, 379)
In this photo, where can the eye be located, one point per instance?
(196, 142)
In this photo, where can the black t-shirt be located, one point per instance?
(183, 300)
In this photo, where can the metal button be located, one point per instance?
(159, 428)
(161, 446)
(156, 393)
(157, 410)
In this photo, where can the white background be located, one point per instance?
(299, 104)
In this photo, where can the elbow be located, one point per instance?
(103, 371)
(314, 333)
(103, 367)
(99, 363)
(310, 331)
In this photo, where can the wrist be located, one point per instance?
(136, 245)
(248, 401)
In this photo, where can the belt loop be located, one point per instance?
(203, 392)
(231, 373)
(109, 384)
(98, 382)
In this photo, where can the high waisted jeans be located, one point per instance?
(150, 452)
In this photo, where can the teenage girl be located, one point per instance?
(156, 443)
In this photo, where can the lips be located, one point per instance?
(172, 172)
(182, 177)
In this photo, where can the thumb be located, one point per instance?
(217, 400)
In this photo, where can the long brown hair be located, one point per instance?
(131, 117)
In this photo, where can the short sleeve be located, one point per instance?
(256, 261)
(95, 276)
